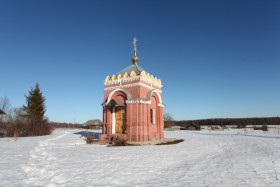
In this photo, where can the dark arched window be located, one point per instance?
(153, 116)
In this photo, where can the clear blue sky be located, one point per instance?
(216, 59)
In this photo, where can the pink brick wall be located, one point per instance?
(138, 119)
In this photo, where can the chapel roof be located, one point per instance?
(133, 70)
(134, 67)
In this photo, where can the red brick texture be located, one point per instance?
(138, 99)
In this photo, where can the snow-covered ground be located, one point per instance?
(206, 158)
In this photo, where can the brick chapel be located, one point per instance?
(132, 105)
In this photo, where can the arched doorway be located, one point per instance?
(116, 103)
(120, 119)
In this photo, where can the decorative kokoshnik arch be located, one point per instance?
(128, 95)
(149, 95)
(130, 100)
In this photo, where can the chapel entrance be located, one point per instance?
(120, 119)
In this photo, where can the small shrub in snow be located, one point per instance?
(89, 139)
(264, 128)
(241, 126)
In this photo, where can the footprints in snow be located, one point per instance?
(41, 169)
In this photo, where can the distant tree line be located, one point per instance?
(65, 125)
(232, 121)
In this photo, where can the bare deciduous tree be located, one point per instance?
(167, 117)
(168, 120)
(6, 107)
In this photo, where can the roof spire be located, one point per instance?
(134, 58)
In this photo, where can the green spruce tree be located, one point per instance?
(35, 110)
(35, 104)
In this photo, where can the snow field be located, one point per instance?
(206, 158)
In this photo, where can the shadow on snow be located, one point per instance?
(88, 134)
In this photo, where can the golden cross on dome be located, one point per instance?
(134, 42)
(135, 58)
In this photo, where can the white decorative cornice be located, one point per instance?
(123, 80)
(132, 85)
(150, 81)
(138, 101)
(141, 101)
(120, 79)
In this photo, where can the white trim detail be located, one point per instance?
(161, 105)
(114, 121)
(153, 116)
(132, 85)
(138, 101)
(122, 80)
(149, 81)
(158, 94)
(125, 80)
(112, 93)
